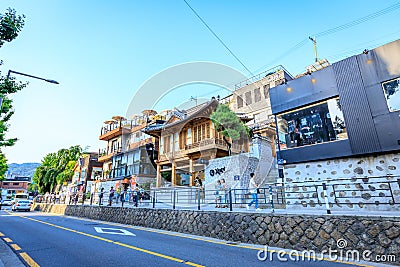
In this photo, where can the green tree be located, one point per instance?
(10, 25)
(229, 125)
(56, 168)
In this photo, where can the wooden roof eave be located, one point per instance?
(204, 112)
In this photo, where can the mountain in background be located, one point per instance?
(24, 169)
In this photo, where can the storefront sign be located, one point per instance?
(218, 171)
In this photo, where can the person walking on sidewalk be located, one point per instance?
(101, 195)
(253, 187)
(111, 196)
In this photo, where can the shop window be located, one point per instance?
(391, 89)
(318, 123)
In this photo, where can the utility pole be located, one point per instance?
(314, 40)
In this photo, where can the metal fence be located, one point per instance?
(357, 192)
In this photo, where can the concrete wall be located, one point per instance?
(361, 183)
(260, 161)
(380, 235)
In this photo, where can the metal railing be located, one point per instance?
(383, 191)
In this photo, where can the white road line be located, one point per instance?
(113, 231)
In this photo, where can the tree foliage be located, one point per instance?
(3, 166)
(10, 25)
(229, 124)
(56, 168)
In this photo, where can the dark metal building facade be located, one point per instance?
(371, 125)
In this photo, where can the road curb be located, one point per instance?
(8, 257)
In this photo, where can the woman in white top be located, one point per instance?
(253, 190)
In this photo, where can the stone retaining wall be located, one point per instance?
(380, 235)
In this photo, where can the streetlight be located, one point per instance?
(24, 74)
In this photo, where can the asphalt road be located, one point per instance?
(53, 240)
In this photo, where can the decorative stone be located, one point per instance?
(386, 225)
(384, 241)
(283, 236)
(374, 231)
(393, 232)
(366, 196)
(278, 228)
(324, 235)
(358, 228)
(319, 242)
(379, 168)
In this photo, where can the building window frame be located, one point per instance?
(317, 123)
(391, 90)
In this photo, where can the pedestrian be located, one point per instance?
(135, 196)
(118, 194)
(198, 182)
(218, 193)
(58, 197)
(111, 196)
(253, 187)
(141, 195)
(101, 194)
(223, 194)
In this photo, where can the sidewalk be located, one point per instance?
(211, 207)
(7, 257)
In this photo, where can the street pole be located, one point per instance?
(28, 75)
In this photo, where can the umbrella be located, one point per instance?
(110, 121)
(119, 118)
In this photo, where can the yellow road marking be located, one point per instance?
(8, 240)
(29, 260)
(106, 240)
(15, 247)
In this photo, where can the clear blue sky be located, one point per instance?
(102, 51)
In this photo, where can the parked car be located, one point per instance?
(6, 202)
(39, 199)
(21, 205)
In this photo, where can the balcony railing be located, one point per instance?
(104, 152)
(211, 141)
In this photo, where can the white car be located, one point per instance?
(21, 205)
(6, 202)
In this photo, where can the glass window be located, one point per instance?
(391, 89)
(239, 101)
(257, 95)
(248, 98)
(266, 90)
(317, 123)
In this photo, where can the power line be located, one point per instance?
(359, 21)
(216, 36)
(334, 30)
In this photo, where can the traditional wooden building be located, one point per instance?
(188, 139)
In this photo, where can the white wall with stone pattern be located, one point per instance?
(363, 183)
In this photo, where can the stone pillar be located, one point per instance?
(158, 184)
(173, 174)
(191, 172)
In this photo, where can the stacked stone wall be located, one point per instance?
(380, 235)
